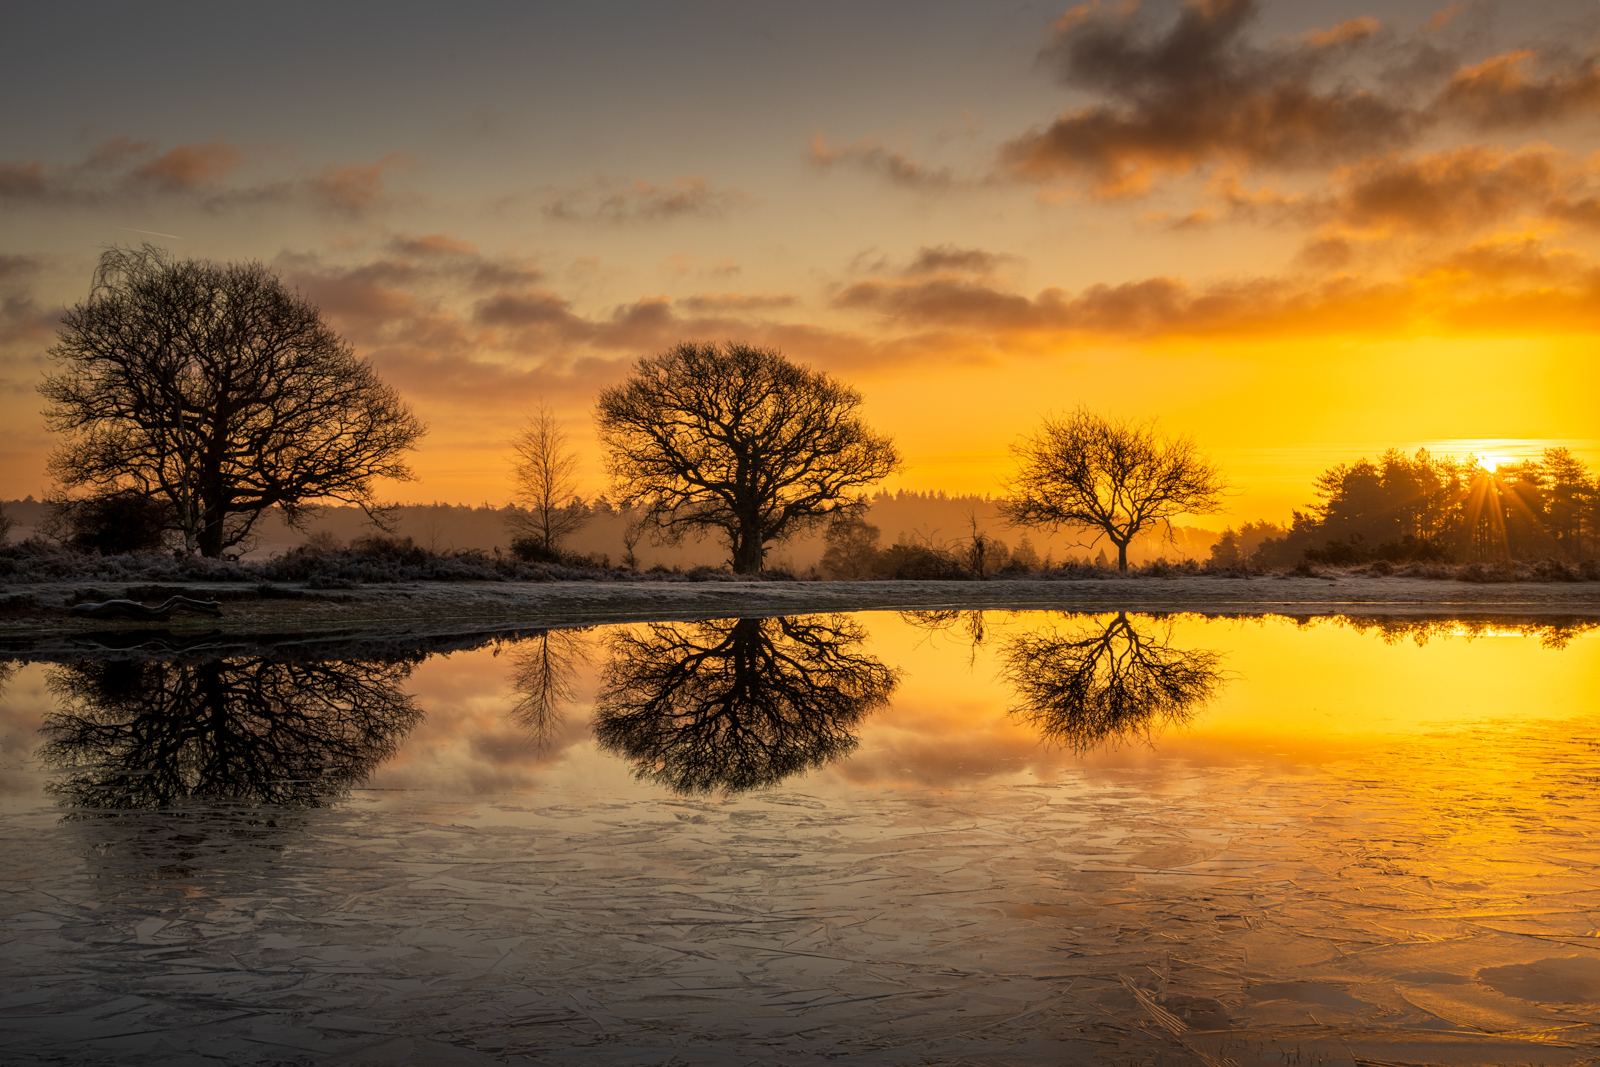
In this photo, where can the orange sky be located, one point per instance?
(1299, 232)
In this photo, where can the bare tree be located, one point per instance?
(544, 672)
(1108, 681)
(1116, 478)
(221, 392)
(6, 523)
(264, 731)
(852, 551)
(546, 484)
(737, 704)
(738, 440)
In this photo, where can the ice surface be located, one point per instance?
(1429, 900)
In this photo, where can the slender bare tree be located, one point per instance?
(544, 668)
(221, 392)
(737, 440)
(1115, 478)
(546, 484)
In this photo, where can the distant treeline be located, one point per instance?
(1422, 508)
(930, 520)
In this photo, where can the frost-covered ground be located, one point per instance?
(297, 607)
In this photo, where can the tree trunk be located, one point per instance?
(1122, 555)
(747, 551)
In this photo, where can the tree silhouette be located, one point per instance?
(544, 670)
(138, 735)
(737, 704)
(1107, 682)
(220, 392)
(737, 440)
(1115, 478)
(545, 473)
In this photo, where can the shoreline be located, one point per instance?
(39, 609)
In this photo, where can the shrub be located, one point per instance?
(112, 525)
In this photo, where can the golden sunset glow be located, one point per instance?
(977, 223)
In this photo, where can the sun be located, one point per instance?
(1493, 461)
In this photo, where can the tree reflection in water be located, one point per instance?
(967, 625)
(544, 675)
(737, 704)
(1108, 682)
(141, 735)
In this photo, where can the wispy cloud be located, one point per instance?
(614, 200)
(210, 175)
(871, 156)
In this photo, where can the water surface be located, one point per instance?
(923, 838)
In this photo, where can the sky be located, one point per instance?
(1298, 233)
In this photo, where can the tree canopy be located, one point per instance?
(1115, 478)
(737, 440)
(220, 391)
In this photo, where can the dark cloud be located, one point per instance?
(1147, 308)
(26, 326)
(1505, 93)
(124, 171)
(869, 155)
(1199, 92)
(948, 259)
(610, 200)
(1454, 193)
(440, 255)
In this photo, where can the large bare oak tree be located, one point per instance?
(221, 391)
(1114, 477)
(737, 440)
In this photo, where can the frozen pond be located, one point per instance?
(940, 838)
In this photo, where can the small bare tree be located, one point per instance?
(737, 440)
(546, 484)
(852, 548)
(544, 676)
(1114, 477)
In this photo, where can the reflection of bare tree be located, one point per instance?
(1102, 684)
(968, 624)
(737, 704)
(148, 735)
(544, 670)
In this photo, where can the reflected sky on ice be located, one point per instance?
(930, 837)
